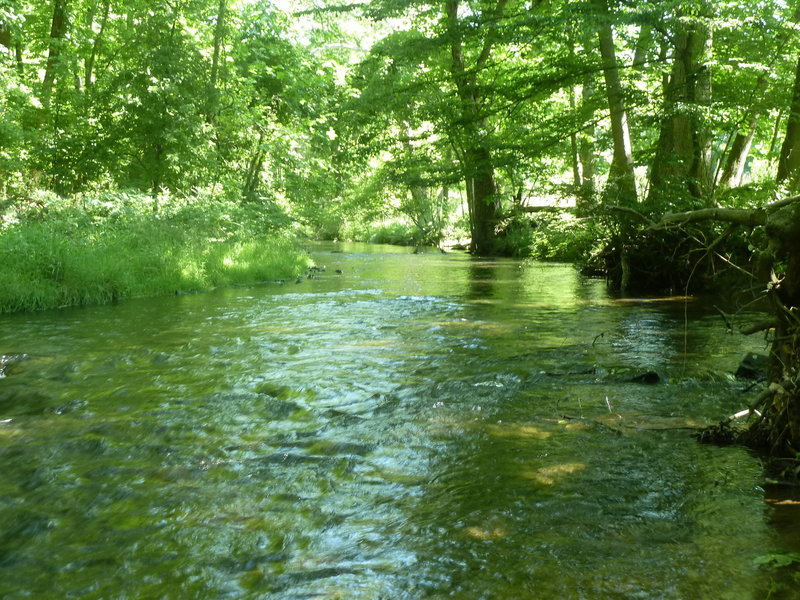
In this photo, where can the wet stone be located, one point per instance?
(753, 366)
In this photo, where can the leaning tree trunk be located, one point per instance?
(789, 161)
(621, 184)
(733, 172)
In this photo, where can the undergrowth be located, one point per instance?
(59, 252)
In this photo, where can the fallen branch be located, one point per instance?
(764, 325)
(749, 217)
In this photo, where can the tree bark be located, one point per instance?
(789, 161)
(621, 185)
(643, 42)
(700, 172)
(733, 171)
(477, 158)
(682, 161)
(58, 33)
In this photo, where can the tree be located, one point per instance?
(473, 148)
(789, 162)
(681, 164)
(58, 33)
(621, 185)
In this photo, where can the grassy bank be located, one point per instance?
(88, 250)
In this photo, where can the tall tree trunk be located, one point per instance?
(643, 43)
(477, 159)
(733, 171)
(683, 154)
(700, 172)
(5, 35)
(586, 151)
(254, 168)
(213, 79)
(573, 146)
(621, 186)
(14, 45)
(96, 44)
(18, 56)
(739, 150)
(58, 33)
(789, 161)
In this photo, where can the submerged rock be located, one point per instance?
(7, 362)
(753, 366)
(649, 378)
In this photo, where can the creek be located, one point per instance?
(416, 426)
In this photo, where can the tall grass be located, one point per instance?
(88, 250)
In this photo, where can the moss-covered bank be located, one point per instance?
(94, 249)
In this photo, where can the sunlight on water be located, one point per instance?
(419, 426)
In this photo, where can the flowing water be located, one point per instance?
(417, 426)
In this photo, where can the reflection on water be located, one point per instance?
(418, 426)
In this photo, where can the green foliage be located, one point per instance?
(778, 559)
(564, 238)
(94, 249)
(516, 237)
(336, 118)
(398, 233)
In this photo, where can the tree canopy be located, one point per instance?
(356, 111)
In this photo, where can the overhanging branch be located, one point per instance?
(741, 216)
(748, 217)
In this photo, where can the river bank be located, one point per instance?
(58, 252)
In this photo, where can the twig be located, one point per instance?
(725, 318)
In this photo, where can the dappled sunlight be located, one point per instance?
(517, 430)
(484, 533)
(552, 474)
(356, 435)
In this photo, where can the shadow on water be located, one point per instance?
(416, 426)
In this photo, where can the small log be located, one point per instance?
(764, 325)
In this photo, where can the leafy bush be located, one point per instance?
(562, 238)
(516, 238)
(398, 233)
